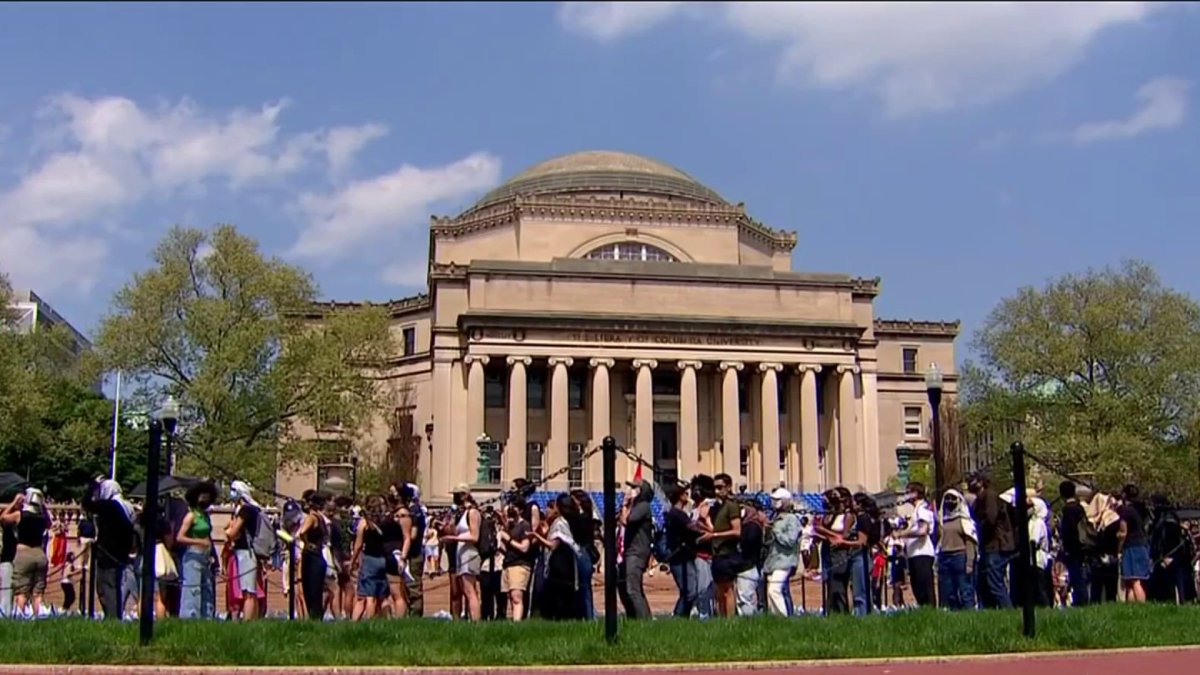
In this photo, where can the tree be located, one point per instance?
(1104, 370)
(241, 341)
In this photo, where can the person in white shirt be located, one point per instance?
(919, 550)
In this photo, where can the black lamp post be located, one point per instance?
(933, 387)
(166, 420)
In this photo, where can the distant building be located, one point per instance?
(32, 314)
(603, 293)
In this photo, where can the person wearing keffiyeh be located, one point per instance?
(246, 592)
(958, 541)
(114, 518)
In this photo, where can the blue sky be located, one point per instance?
(958, 152)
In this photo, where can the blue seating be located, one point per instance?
(804, 501)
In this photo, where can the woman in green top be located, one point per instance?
(197, 591)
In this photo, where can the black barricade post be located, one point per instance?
(90, 596)
(291, 580)
(609, 447)
(149, 536)
(1024, 563)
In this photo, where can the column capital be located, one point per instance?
(523, 360)
(476, 358)
(764, 367)
(843, 369)
(735, 365)
(814, 368)
(599, 363)
(561, 361)
(645, 363)
(694, 365)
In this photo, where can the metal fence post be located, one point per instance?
(609, 446)
(1025, 563)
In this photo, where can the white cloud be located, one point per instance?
(1163, 106)
(915, 57)
(364, 212)
(410, 274)
(96, 158)
(606, 21)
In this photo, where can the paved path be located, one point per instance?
(1116, 662)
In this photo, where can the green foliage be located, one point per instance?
(239, 340)
(1102, 371)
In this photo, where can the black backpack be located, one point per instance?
(488, 543)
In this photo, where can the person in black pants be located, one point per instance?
(114, 542)
(918, 545)
(313, 534)
(1075, 553)
(494, 602)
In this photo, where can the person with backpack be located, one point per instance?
(1078, 537)
(247, 589)
(639, 540)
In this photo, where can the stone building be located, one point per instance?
(605, 293)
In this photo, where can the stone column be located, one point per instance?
(731, 420)
(793, 446)
(810, 430)
(518, 419)
(850, 459)
(556, 453)
(601, 409)
(870, 429)
(475, 419)
(643, 419)
(689, 419)
(772, 453)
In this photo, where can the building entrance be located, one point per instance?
(666, 453)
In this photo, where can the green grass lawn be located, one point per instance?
(437, 643)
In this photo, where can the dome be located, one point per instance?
(602, 171)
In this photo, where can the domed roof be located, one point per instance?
(602, 171)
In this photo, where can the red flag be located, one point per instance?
(637, 475)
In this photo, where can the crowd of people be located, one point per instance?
(728, 553)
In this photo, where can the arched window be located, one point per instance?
(630, 250)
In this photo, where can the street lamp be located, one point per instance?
(933, 387)
(903, 457)
(486, 447)
(166, 419)
(170, 418)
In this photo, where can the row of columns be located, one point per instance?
(853, 461)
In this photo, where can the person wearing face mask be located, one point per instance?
(783, 542)
(244, 578)
(918, 545)
(466, 533)
(197, 599)
(958, 543)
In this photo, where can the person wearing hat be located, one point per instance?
(783, 550)
(465, 533)
(30, 565)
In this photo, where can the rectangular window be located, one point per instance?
(744, 461)
(743, 399)
(495, 392)
(576, 386)
(533, 462)
(410, 341)
(575, 461)
(910, 360)
(535, 394)
(494, 463)
(912, 421)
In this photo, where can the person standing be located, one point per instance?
(313, 536)
(114, 542)
(996, 539)
(465, 533)
(750, 570)
(918, 546)
(244, 577)
(8, 551)
(1133, 545)
(639, 534)
(414, 523)
(958, 544)
(1075, 551)
(30, 565)
(198, 601)
(681, 545)
(724, 524)
(783, 550)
